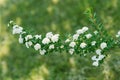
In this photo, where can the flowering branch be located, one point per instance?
(85, 41)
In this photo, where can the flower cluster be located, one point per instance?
(73, 42)
(43, 44)
(40, 43)
(17, 29)
(99, 56)
(85, 41)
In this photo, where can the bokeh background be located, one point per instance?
(58, 16)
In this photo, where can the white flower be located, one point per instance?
(79, 31)
(67, 40)
(75, 36)
(95, 63)
(28, 37)
(72, 44)
(28, 44)
(20, 39)
(103, 45)
(95, 32)
(83, 45)
(11, 22)
(98, 51)
(84, 29)
(49, 35)
(42, 52)
(118, 34)
(62, 46)
(101, 57)
(51, 46)
(46, 41)
(37, 36)
(88, 36)
(37, 46)
(23, 32)
(94, 58)
(71, 51)
(93, 43)
(55, 38)
(17, 29)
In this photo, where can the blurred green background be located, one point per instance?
(58, 16)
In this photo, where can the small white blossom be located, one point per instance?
(20, 39)
(62, 46)
(84, 29)
(72, 44)
(98, 51)
(94, 58)
(93, 43)
(71, 51)
(37, 46)
(83, 45)
(28, 37)
(67, 40)
(46, 41)
(51, 46)
(23, 32)
(101, 57)
(28, 44)
(11, 22)
(95, 32)
(42, 52)
(79, 31)
(118, 34)
(55, 38)
(17, 29)
(38, 37)
(49, 35)
(88, 36)
(75, 36)
(103, 45)
(95, 63)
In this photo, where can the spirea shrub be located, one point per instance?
(92, 40)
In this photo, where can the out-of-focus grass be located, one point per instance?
(59, 16)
